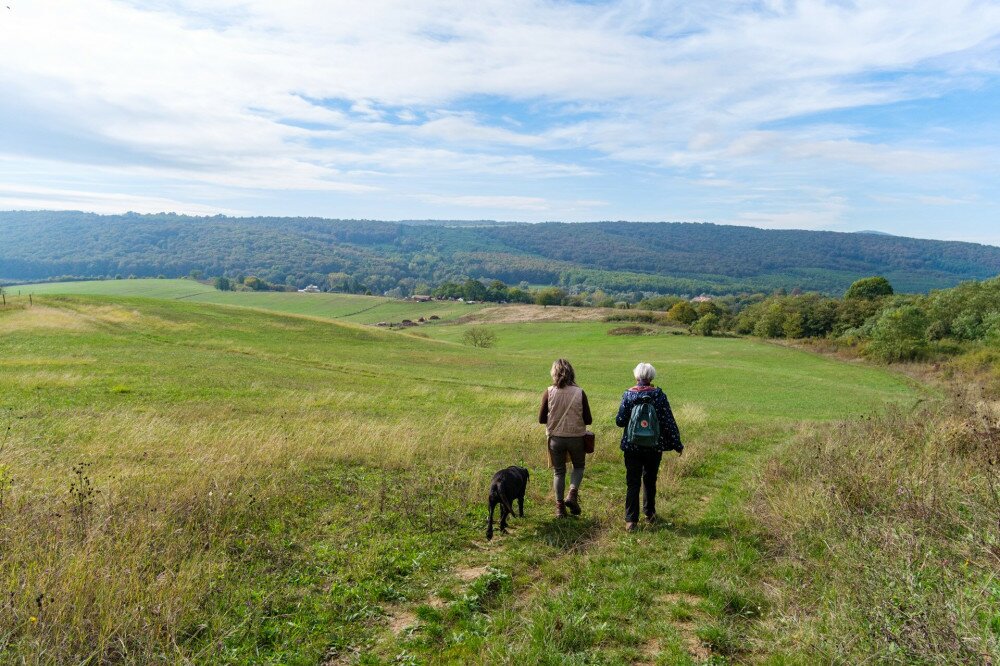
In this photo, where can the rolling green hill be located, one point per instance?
(618, 257)
(203, 484)
(344, 307)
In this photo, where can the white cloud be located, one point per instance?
(21, 197)
(361, 99)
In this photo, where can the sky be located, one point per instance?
(837, 115)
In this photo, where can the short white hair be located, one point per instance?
(644, 372)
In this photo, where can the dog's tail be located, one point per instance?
(503, 499)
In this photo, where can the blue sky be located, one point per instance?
(816, 115)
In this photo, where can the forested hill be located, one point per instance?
(618, 257)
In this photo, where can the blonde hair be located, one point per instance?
(644, 372)
(562, 374)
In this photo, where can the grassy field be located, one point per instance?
(181, 482)
(343, 307)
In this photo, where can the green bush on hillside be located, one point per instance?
(899, 335)
(707, 325)
(868, 288)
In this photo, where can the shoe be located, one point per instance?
(573, 501)
(651, 518)
(560, 509)
(630, 527)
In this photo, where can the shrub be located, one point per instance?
(630, 330)
(254, 283)
(550, 296)
(707, 325)
(869, 288)
(479, 336)
(683, 313)
(771, 324)
(644, 317)
(968, 326)
(899, 335)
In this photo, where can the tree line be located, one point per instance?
(870, 316)
(624, 261)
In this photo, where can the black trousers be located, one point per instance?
(641, 468)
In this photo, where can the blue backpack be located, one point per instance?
(643, 426)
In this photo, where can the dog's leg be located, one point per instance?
(504, 512)
(489, 524)
(520, 506)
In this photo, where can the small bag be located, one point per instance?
(588, 442)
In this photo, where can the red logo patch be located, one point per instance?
(644, 424)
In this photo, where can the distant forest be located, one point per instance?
(625, 259)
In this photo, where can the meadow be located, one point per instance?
(343, 307)
(190, 482)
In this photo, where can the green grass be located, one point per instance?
(279, 489)
(344, 307)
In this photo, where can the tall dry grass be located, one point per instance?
(884, 537)
(117, 528)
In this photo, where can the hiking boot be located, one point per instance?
(630, 527)
(573, 501)
(560, 509)
(651, 518)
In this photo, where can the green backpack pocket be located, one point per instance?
(643, 426)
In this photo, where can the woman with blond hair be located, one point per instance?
(647, 433)
(566, 415)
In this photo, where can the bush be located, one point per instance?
(550, 296)
(631, 330)
(644, 317)
(869, 288)
(683, 313)
(899, 335)
(707, 325)
(771, 323)
(479, 336)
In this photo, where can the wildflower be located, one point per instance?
(33, 619)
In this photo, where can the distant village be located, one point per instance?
(426, 298)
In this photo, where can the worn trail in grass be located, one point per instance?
(279, 489)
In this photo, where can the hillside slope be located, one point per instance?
(615, 256)
(202, 484)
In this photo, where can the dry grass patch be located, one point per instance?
(43, 318)
(517, 314)
(690, 414)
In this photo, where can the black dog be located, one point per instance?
(507, 485)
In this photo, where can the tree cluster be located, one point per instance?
(889, 327)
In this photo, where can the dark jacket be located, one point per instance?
(670, 436)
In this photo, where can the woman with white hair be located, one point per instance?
(649, 430)
(566, 415)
